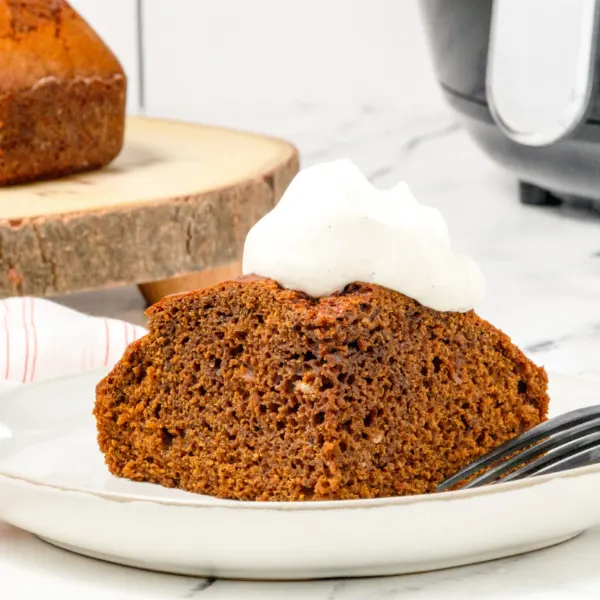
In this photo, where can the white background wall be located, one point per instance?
(229, 61)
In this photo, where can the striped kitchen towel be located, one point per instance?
(41, 340)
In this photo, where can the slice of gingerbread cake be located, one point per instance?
(315, 380)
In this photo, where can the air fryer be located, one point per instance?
(523, 77)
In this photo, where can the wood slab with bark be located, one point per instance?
(179, 200)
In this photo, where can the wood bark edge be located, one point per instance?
(140, 243)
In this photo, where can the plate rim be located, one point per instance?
(212, 502)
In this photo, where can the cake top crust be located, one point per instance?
(44, 40)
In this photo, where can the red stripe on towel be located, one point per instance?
(107, 342)
(26, 341)
(35, 341)
(7, 373)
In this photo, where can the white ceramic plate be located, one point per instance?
(53, 483)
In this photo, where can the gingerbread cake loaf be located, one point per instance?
(62, 93)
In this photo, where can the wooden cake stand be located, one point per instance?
(170, 213)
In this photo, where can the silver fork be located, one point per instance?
(565, 442)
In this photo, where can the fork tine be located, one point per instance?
(533, 435)
(550, 443)
(591, 456)
(537, 467)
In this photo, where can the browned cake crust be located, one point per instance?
(249, 391)
(62, 93)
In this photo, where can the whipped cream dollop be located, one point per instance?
(332, 227)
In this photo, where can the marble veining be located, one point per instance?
(543, 272)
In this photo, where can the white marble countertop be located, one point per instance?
(543, 272)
